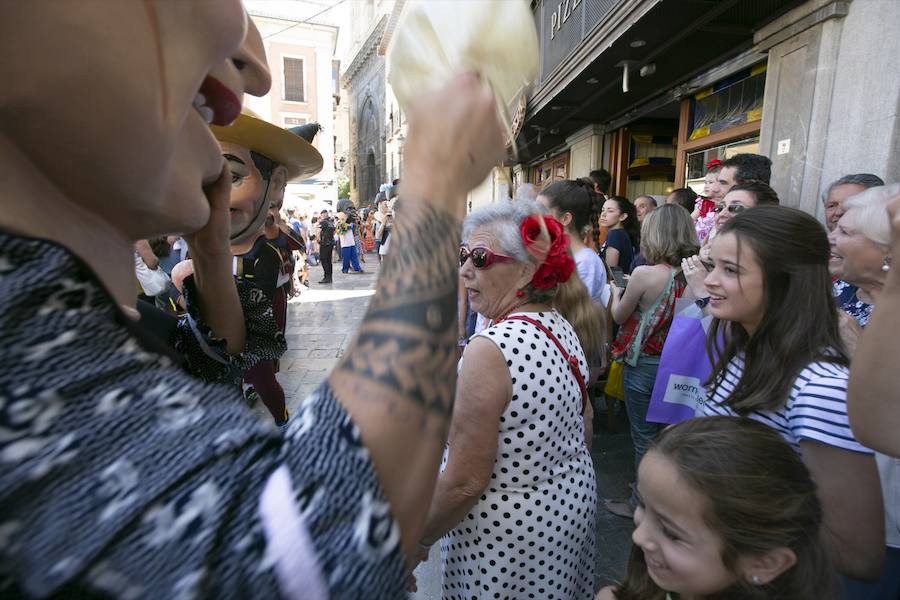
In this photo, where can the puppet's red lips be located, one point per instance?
(221, 104)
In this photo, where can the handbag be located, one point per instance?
(683, 367)
(615, 382)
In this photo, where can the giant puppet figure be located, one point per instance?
(262, 159)
(122, 475)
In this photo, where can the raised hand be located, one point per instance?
(398, 378)
(454, 140)
(695, 274)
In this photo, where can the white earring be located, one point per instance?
(886, 264)
(755, 579)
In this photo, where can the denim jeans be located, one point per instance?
(638, 382)
(351, 257)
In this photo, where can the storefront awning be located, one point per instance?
(586, 45)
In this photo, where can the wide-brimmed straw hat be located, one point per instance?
(288, 147)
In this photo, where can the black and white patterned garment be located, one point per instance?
(123, 476)
(532, 532)
(205, 356)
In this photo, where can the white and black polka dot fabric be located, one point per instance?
(532, 533)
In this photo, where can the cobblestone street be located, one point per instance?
(321, 325)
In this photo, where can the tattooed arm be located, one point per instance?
(398, 378)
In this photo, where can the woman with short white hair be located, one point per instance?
(861, 256)
(860, 251)
(515, 503)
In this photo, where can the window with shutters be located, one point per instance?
(295, 121)
(293, 80)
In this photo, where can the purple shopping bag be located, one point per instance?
(683, 367)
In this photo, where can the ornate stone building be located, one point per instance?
(364, 80)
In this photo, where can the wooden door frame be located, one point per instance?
(732, 134)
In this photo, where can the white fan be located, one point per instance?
(436, 38)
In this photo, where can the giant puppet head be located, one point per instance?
(118, 86)
(263, 158)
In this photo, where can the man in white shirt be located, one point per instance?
(348, 244)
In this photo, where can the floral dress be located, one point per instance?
(369, 241)
(847, 300)
(122, 475)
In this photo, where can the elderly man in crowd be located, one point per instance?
(843, 188)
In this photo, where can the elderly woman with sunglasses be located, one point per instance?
(514, 506)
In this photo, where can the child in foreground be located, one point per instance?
(727, 510)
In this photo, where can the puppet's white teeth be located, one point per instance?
(207, 114)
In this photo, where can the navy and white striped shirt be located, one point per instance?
(816, 408)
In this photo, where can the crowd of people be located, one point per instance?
(131, 467)
(788, 302)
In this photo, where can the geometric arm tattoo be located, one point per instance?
(406, 343)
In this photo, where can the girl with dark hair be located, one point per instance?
(620, 217)
(727, 511)
(782, 362)
(571, 201)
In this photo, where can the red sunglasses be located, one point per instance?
(482, 258)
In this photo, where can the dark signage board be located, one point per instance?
(562, 26)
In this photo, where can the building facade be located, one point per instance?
(365, 83)
(376, 123)
(652, 90)
(301, 57)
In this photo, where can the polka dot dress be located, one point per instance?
(532, 534)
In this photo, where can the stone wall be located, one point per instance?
(367, 143)
(832, 100)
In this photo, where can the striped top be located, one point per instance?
(816, 408)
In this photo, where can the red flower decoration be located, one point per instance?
(556, 265)
(531, 236)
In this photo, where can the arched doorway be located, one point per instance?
(368, 149)
(372, 183)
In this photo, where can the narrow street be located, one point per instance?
(321, 325)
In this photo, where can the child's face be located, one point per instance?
(683, 554)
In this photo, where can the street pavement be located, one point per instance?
(321, 324)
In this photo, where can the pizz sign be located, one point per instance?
(562, 13)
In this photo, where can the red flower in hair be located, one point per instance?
(556, 265)
(713, 164)
(531, 231)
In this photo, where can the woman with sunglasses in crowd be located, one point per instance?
(739, 198)
(781, 361)
(518, 482)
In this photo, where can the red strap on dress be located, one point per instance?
(571, 360)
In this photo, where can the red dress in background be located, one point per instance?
(368, 237)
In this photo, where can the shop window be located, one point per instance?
(652, 151)
(293, 79)
(295, 121)
(697, 161)
(731, 102)
(555, 169)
